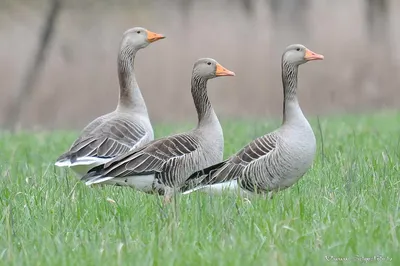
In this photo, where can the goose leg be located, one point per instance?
(167, 199)
(247, 200)
(168, 194)
(270, 195)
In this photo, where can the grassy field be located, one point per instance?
(345, 208)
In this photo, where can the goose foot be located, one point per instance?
(246, 200)
(168, 194)
(167, 199)
(270, 195)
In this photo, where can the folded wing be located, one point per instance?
(157, 157)
(233, 167)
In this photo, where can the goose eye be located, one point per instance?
(209, 63)
(298, 49)
(138, 32)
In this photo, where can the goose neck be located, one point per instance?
(291, 108)
(130, 96)
(205, 112)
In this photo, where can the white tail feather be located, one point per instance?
(83, 164)
(97, 180)
(62, 163)
(217, 189)
(83, 161)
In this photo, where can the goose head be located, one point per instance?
(139, 38)
(209, 68)
(298, 54)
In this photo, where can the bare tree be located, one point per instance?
(35, 67)
(248, 6)
(377, 19)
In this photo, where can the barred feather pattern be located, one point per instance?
(174, 158)
(129, 95)
(274, 161)
(126, 128)
(232, 168)
(112, 136)
(289, 81)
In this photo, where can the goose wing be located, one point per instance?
(232, 168)
(159, 156)
(107, 140)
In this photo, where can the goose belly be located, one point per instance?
(225, 188)
(278, 172)
(81, 170)
(291, 176)
(296, 157)
(143, 183)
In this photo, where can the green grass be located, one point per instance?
(347, 205)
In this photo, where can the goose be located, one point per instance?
(162, 166)
(126, 128)
(274, 161)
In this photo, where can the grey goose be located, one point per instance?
(274, 161)
(163, 165)
(126, 128)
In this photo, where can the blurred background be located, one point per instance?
(58, 58)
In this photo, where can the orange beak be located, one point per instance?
(222, 71)
(152, 36)
(310, 55)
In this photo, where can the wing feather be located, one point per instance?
(109, 139)
(150, 159)
(232, 168)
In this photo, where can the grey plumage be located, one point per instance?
(163, 165)
(126, 128)
(166, 158)
(276, 160)
(106, 137)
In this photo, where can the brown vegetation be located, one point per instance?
(361, 68)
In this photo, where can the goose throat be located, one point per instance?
(130, 96)
(289, 81)
(201, 100)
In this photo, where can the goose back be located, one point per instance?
(126, 128)
(164, 165)
(276, 160)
